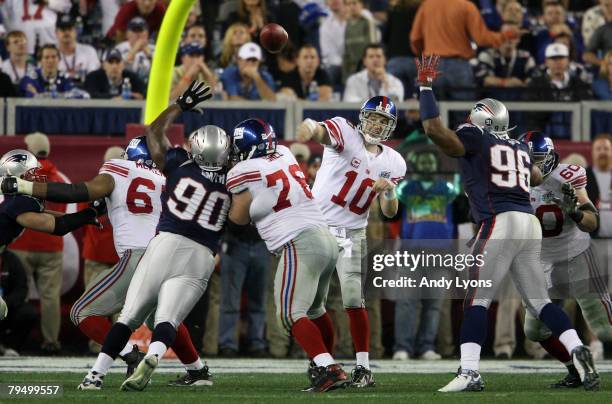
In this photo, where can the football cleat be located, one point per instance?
(583, 361)
(362, 377)
(312, 373)
(193, 378)
(466, 380)
(93, 381)
(329, 378)
(132, 359)
(142, 375)
(570, 381)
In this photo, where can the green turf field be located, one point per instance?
(285, 388)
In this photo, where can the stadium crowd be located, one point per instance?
(346, 50)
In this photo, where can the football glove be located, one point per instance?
(427, 69)
(196, 93)
(569, 202)
(8, 186)
(99, 206)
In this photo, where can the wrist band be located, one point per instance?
(24, 187)
(427, 104)
(577, 216)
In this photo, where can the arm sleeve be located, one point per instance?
(22, 204)
(579, 179)
(239, 178)
(333, 127)
(477, 29)
(471, 137)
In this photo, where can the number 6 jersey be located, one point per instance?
(344, 185)
(562, 239)
(282, 205)
(134, 205)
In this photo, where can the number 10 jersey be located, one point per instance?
(134, 205)
(344, 187)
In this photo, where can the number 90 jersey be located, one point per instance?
(562, 239)
(134, 205)
(282, 205)
(344, 184)
(195, 202)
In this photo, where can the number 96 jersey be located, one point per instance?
(282, 205)
(344, 184)
(134, 205)
(562, 239)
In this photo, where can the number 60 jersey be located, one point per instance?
(134, 205)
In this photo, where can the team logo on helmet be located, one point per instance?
(384, 108)
(482, 107)
(239, 133)
(17, 158)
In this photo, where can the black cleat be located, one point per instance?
(132, 359)
(329, 378)
(570, 381)
(312, 373)
(193, 378)
(583, 361)
(362, 377)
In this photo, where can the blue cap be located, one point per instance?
(113, 54)
(137, 24)
(192, 48)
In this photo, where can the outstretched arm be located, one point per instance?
(310, 129)
(446, 139)
(100, 186)
(157, 141)
(61, 225)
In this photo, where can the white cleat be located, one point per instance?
(92, 381)
(142, 375)
(583, 361)
(400, 356)
(466, 380)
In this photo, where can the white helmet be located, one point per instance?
(210, 147)
(491, 115)
(20, 163)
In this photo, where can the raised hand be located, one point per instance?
(427, 69)
(569, 202)
(196, 93)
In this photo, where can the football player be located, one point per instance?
(269, 188)
(174, 271)
(132, 188)
(567, 216)
(24, 212)
(356, 168)
(497, 173)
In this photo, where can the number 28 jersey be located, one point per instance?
(282, 205)
(344, 187)
(562, 239)
(134, 205)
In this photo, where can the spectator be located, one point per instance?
(18, 62)
(195, 33)
(594, 18)
(602, 85)
(107, 82)
(252, 13)
(554, 19)
(506, 66)
(7, 89)
(76, 59)
(599, 184)
(331, 38)
(308, 81)
(513, 13)
(235, 36)
(41, 253)
(432, 34)
(193, 67)
(245, 264)
(600, 42)
(22, 316)
(576, 68)
(245, 80)
(373, 79)
(152, 11)
(194, 16)
(46, 81)
(137, 52)
(359, 33)
(314, 164)
(281, 64)
(401, 59)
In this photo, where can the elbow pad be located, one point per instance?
(67, 223)
(67, 193)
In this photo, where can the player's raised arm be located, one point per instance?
(100, 186)
(157, 142)
(446, 139)
(577, 205)
(310, 129)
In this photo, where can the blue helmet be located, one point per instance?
(253, 138)
(542, 151)
(375, 132)
(137, 150)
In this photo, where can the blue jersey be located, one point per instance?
(496, 173)
(10, 209)
(195, 202)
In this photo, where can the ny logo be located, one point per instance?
(238, 133)
(386, 108)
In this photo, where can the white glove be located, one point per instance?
(306, 130)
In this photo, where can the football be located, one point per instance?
(273, 37)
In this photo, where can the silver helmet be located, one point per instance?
(491, 115)
(20, 163)
(210, 147)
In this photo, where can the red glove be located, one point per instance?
(427, 69)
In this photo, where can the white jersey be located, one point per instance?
(561, 237)
(33, 18)
(84, 60)
(283, 205)
(135, 204)
(344, 184)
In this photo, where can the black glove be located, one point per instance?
(8, 186)
(99, 206)
(569, 203)
(197, 92)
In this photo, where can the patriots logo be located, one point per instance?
(482, 107)
(17, 158)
